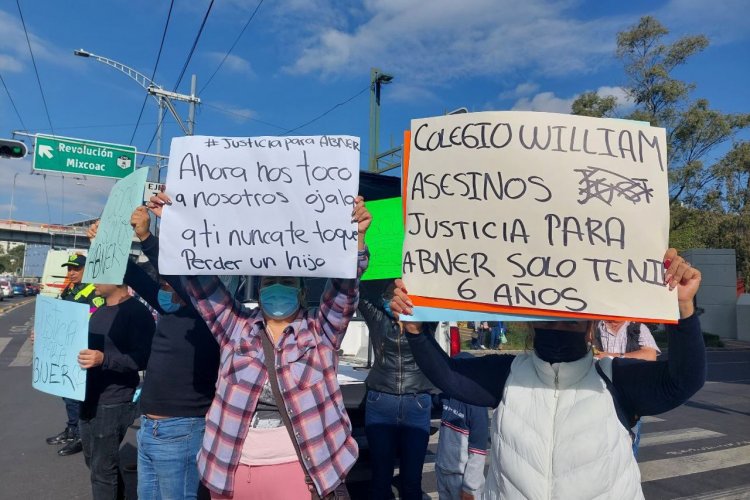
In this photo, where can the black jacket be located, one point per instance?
(394, 370)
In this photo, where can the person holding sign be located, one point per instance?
(120, 333)
(83, 293)
(180, 379)
(282, 432)
(548, 402)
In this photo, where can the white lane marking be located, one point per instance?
(655, 470)
(4, 341)
(649, 420)
(677, 436)
(25, 354)
(740, 492)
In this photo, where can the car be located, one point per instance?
(30, 289)
(19, 289)
(5, 289)
(36, 288)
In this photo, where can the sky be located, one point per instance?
(298, 59)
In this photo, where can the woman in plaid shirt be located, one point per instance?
(247, 451)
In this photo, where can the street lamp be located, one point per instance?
(163, 98)
(12, 196)
(377, 78)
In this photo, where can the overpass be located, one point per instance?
(54, 235)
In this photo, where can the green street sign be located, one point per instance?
(83, 157)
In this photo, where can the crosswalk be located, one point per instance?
(666, 452)
(683, 451)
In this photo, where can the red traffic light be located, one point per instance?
(12, 149)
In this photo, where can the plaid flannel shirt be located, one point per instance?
(307, 360)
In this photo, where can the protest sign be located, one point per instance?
(61, 331)
(385, 237)
(108, 255)
(534, 213)
(262, 206)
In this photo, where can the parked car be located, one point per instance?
(5, 289)
(19, 289)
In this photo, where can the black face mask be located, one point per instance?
(559, 346)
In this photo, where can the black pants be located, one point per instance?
(101, 435)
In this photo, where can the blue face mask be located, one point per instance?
(165, 302)
(279, 301)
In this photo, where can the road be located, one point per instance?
(698, 451)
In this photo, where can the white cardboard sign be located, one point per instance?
(276, 206)
(538, 211)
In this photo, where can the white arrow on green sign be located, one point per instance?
(83, 157)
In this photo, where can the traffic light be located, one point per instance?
(12, 149)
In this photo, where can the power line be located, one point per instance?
(36, 71)
(182, 73)
(327, 111)
(231, 48)
(13, 103)
(195, 44)
(153, 73)
(241, 115)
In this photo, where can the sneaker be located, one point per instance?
(62, 438)
(482, 347)
(71, 448)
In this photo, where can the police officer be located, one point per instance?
(83, 293)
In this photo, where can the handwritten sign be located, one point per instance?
(533, 213)
(261, 205)
(61, 331)
(108, 255)
(385, 239)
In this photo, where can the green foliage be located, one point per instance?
(710, 200)
(16, 253)
(592, 104)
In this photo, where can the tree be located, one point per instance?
(694, 130)
(13, 259)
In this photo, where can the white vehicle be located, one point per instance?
(5, 289)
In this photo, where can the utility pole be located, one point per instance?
(377, 79)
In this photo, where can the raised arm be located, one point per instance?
(341, 296)
(650, 388)
(207, 294)
(476, 381)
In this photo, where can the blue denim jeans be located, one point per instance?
(167, 449)
(101, 434)
(397, 425)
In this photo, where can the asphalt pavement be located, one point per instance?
(699, 451)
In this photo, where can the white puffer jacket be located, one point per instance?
(555, 435)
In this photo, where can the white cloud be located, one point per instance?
(544, 101)
(14, 50)
(548, 101)
(30, 202)
(521, 90)
(233, 63)
(444, 40)
(723, 21)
